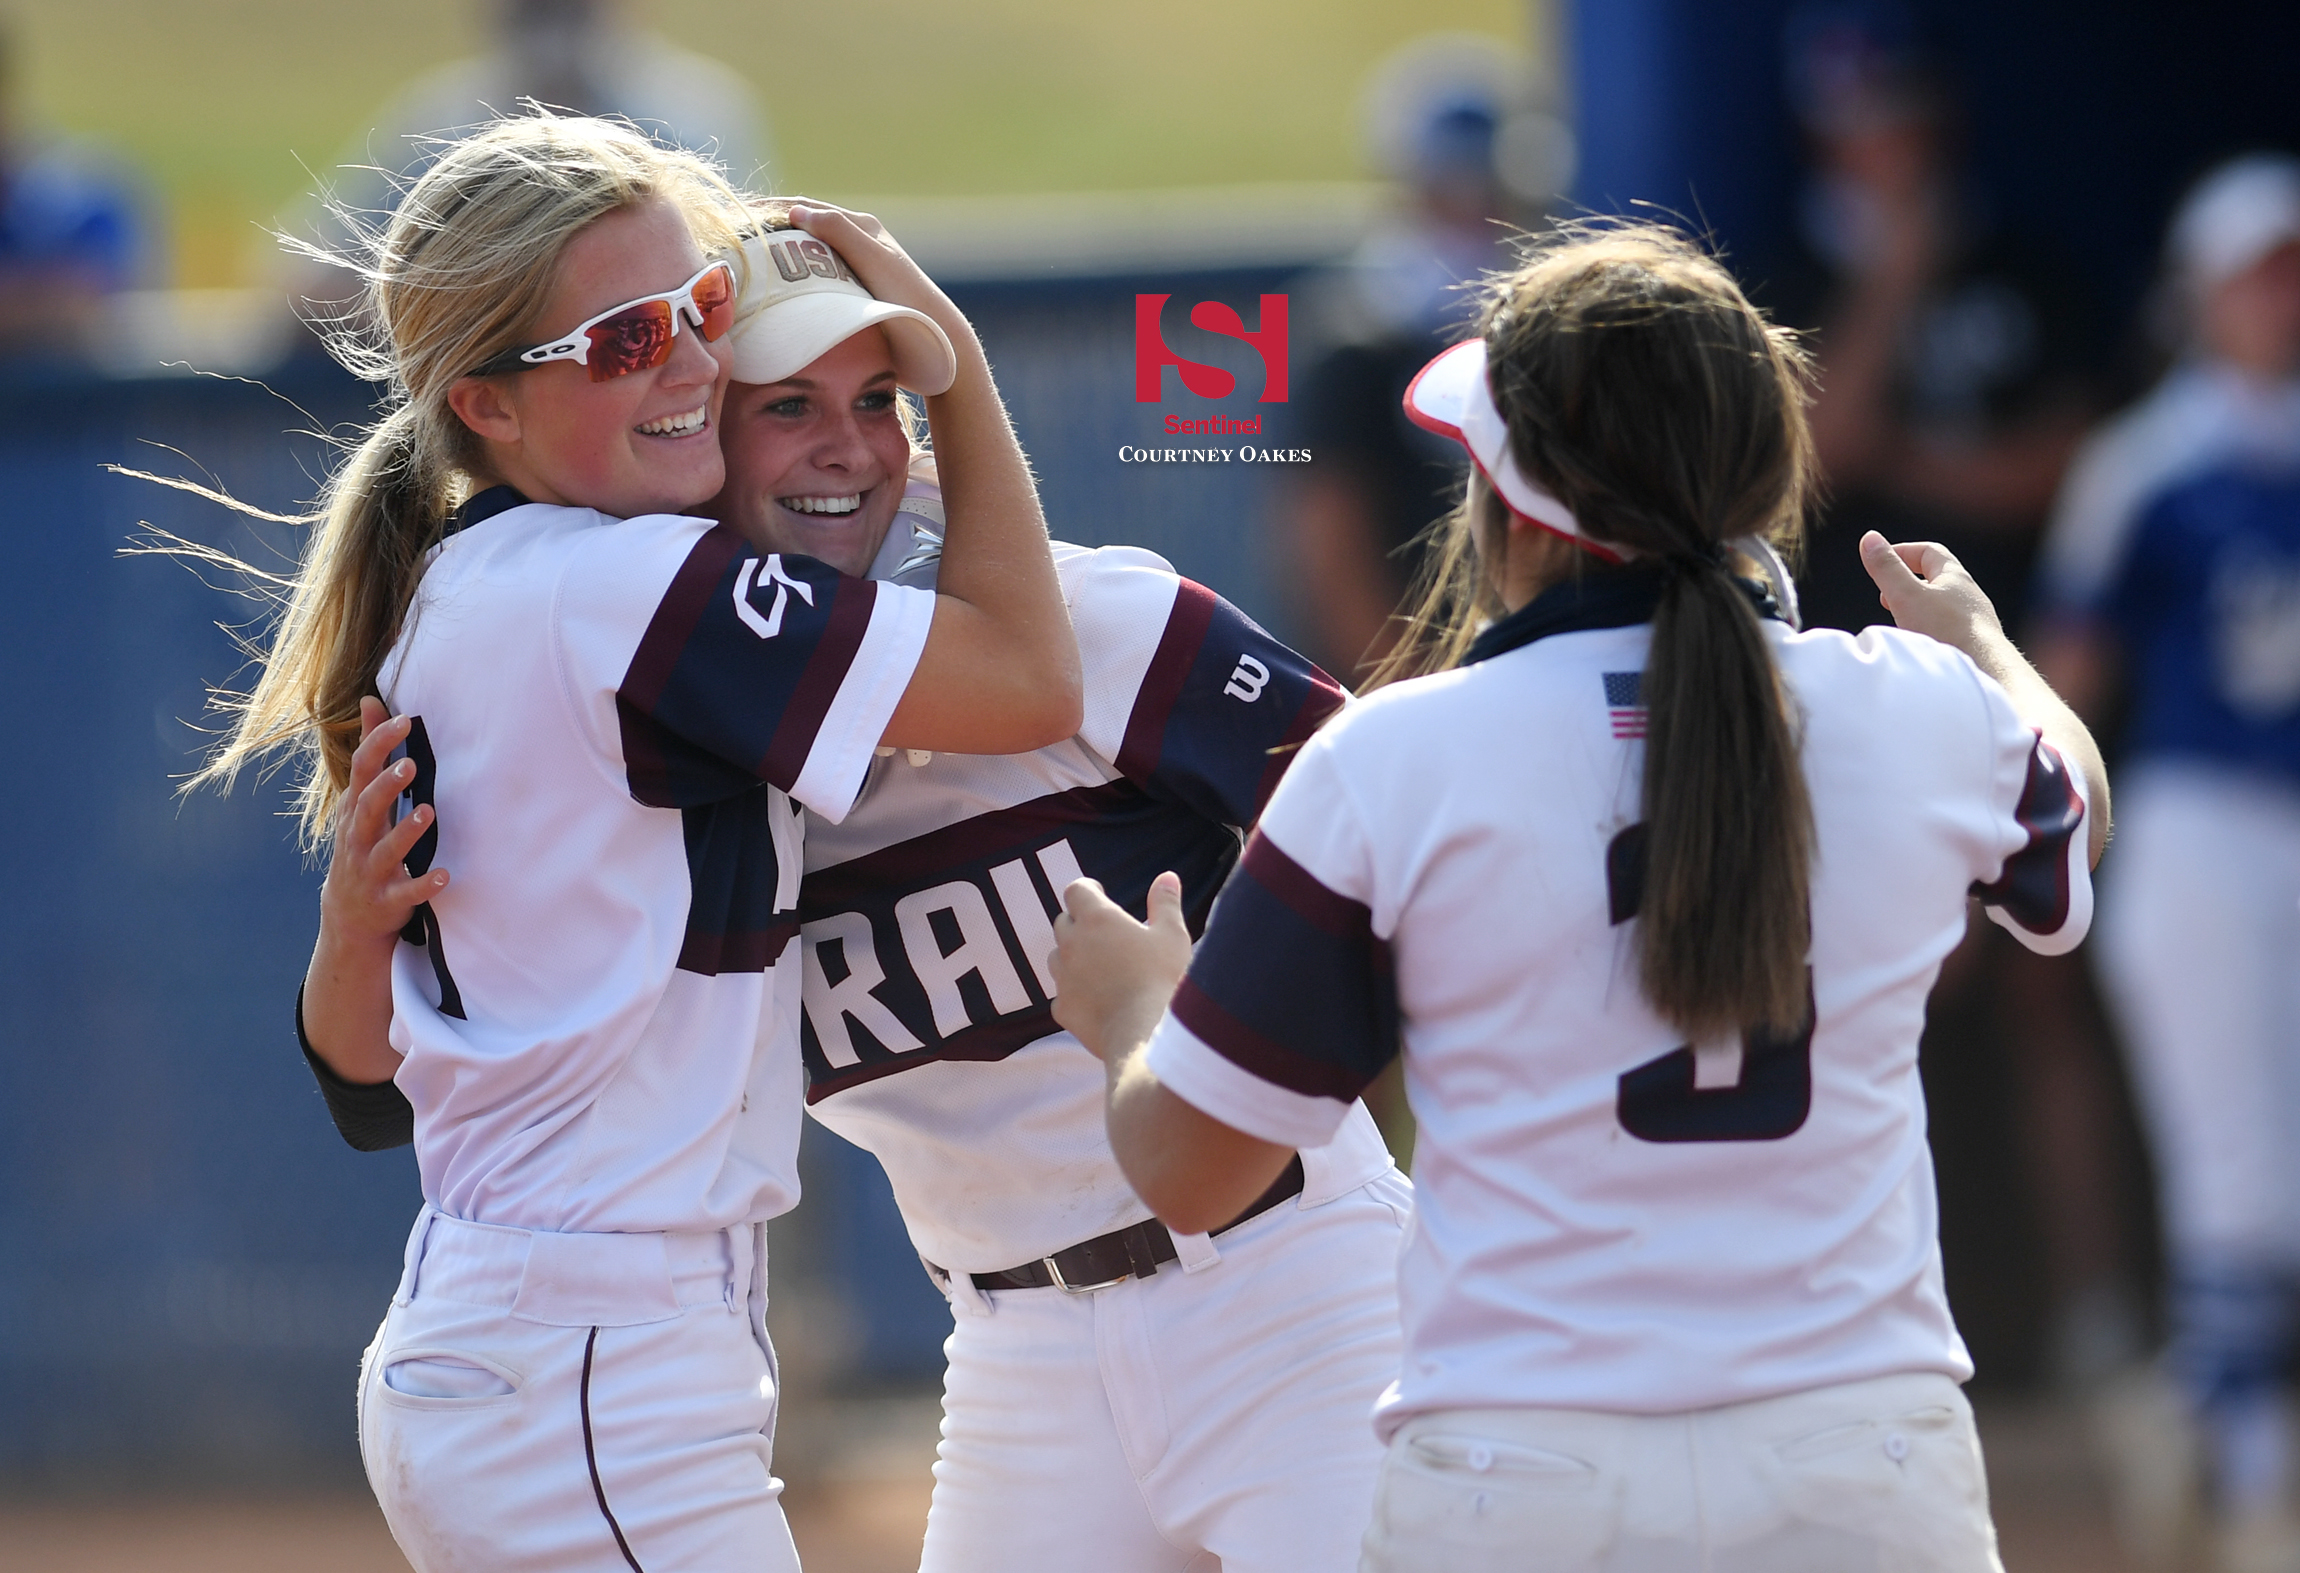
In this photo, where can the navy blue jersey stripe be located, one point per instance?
(692, 590)
(1221, 710)
(1293, 985)
(2033, 887)
(826, 669)
(754, 951)
(1325, 697)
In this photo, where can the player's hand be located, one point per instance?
(1112, 975)
(1929, 592)
(368, 896)
(882, 266)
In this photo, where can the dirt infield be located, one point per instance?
(2052, 1511)
(870, 1527)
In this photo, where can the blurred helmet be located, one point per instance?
(2234, 216)
(1456, 108)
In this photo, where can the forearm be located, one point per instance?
(347, 1006)
(1000, 672)
(996, 558)
(1194, 1172)
(2045, 710)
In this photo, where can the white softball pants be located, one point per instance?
(576, 1403)
(2199, 952)
(1214, 1416)
(1884, 1474)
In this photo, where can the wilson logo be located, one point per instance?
(1248, 681)
(1152, 357)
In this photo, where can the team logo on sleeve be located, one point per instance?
(1248, 681)
(769, 570)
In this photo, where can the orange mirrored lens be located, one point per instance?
(631, 340)
(715, 303)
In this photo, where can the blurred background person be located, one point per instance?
(2172, 579)
(1957, 374)
(590, 57)
(1955, 354)
(1455, 120)
(72, 230)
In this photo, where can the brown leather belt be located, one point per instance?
(1132, 1252)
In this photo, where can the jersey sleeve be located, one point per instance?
(2041, 889)
(1290, 1005)
(369, 1116)
(1189, 697)
(764, 668)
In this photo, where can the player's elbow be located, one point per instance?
(1040, 702)
(1056, 707)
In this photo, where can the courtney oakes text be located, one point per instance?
(1132, 455)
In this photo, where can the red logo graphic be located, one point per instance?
(1152, 357)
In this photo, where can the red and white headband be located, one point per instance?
(1451, 397)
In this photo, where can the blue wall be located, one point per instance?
(2082, 121)
(190, 1261)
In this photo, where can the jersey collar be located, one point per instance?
(480, 507)
(1601, 598)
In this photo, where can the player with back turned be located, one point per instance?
(1648, 888)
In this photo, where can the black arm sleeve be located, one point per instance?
(371, 1116)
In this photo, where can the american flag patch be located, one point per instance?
(1625, 703)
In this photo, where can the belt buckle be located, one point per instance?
(1054, 1271)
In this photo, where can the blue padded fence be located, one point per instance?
(190, 1261)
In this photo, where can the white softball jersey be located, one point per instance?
(1609, 1218)
(617, 719)
(928, 1032)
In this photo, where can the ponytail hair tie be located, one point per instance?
(1710, 555)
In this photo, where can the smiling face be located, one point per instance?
(816, 463)
(645, 442)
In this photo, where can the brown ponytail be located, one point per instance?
(1647, 394)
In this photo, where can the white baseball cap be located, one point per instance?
(1451, 397)
(802, 300)
(2235, 216)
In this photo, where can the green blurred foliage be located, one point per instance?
(231, 107)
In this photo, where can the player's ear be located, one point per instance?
(485, 405)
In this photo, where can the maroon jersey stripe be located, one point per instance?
(2033, 887)
(675, 619)
(1161, 686)
(1265, 1057)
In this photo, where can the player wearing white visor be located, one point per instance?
(1648, 888)
(612, 711)
(1118, 1397)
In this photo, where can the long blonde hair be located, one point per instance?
(1644, 391)
(455, 275)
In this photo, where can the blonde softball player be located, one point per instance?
(1117, 1398)
(1648, 888)
(612, 711)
